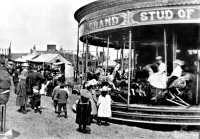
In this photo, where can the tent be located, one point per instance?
(56, 59)
(111, 63)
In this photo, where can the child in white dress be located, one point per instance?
(104, 106)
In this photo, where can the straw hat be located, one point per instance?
(22, 77)
(105, 88)
(91, 82)
(85, 93)
(35, 89)
(179, 62)
(159, 58)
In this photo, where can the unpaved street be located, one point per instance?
(48, 126)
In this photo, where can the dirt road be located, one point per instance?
(48, 126)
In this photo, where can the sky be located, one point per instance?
(40, 22)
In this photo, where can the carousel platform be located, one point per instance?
(161, 115)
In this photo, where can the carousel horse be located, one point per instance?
(140, 87)
(120, 79)
(91, 76)
(180, 89)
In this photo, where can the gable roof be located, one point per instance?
(50, 58)
(26, 58)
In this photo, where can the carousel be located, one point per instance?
(159, 83)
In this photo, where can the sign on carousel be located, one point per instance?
(165, 15)
(106, 22)
(145, 17)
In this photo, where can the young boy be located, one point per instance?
(62, 100)
(36, 99)
(54, 96)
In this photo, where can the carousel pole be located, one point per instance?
(133, 61)
(165, 47)
(174, 40)
(103, 59)
(83, 62)
(198, 71)
(156, 51)
(107, 57)
(122, 60)
(97, 64)
(117, 55)
(129, 68)
(43, 67)
(77, 58)
(86, 59)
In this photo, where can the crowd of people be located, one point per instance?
(94, 104)
(31, 84)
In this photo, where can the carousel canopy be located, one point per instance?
(111, 63)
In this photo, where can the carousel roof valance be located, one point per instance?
(101, 18)
(106, 7)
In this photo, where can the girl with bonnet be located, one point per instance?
(104, 106)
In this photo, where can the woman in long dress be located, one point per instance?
(83, 109)
(93, 100)
(21, 94)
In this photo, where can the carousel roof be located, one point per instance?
(106, 7)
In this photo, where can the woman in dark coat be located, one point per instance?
(83, 117)
(21, 94)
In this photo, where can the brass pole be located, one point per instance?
(86, 59)
(165, 47)
(107, 58)
(117, 55)
(156, 51)
(122, 66)
(103, 59)
(83, 62)
(133, 61)
(97, 64)
(198, 71)
(77, 57)
(174, 45)
(129, 68)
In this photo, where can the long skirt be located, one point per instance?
(21, 100)
(83, 116)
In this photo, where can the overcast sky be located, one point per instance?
(39, 22)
